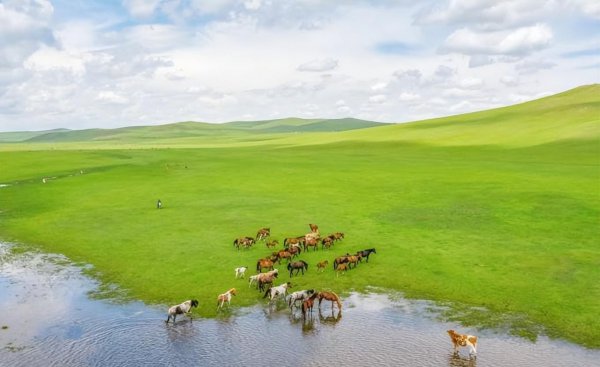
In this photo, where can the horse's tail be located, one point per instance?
(258, 266)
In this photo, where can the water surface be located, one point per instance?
(49, 320)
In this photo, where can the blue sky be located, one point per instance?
(81, 64)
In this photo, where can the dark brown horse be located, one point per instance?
(307, 305)
(326, 242)
(297, 265)
(340, 260)
(264, 264)
(367, 253)
(329, 296)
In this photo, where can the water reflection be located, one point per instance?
(76, 330)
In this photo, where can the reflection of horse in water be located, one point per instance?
(332, 320)
(455, 360)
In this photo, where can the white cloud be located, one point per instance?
(319, 65)
(141, 8)
(111, 97)
(409, 97)
(378, 98)
(509, 80)
(521, 41)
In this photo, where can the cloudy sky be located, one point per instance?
(109, 63)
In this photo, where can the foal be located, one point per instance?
(308, 304)
(225, 297)
(463, 340)
(180, 309)
(240, 272)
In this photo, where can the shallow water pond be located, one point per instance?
(47, 319)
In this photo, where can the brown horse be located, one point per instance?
(321, 265)
(245, 242)
(264, 264)
(266, 278)
(314, 228)
(341, 268)
(271, 244)
(338, 236)
(340, 260)
(290, 241)
(311, 242)
(263, 233)
(295, 250)
(283, 254)
(353, 260)
(330, 296)
(297, 265)
(326, 242)
(308, 304)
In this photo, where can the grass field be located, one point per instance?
(494, 212)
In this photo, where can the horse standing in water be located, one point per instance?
(180, 309)
(308, 304)
(329, 296)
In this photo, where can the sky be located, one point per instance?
(109, 63)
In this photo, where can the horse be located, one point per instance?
(271, 244)
(283, 254)
(322, 264)
(366, 253)
(299, 296)
(326, 242)
(314, 228)
(463, 340)
(180, 309)
(297, 265)
(289, 241)
(225, 297)
(353, 260)
(246, 242)
(263, 233)
(253, 279)
(311, 235)
(280, 290)
(294, 250)
(264, 263)
(340, 260)
(307, 304)
(330, 296)
(267, 278)
(239, 272)
(341, 268)
(311, 242)
(338, 236)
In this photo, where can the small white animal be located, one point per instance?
(240, 272)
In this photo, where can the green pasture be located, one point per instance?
(501, 225)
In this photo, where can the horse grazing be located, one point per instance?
(314, 228)
(326, 242)
(180, 309)
(280, 290)
(463, 340)
(322, 264)
(341, 268)
(297, 265)
(225, 297)
(271, 244)
(367, 253)
(263, 233)
(239, 272)
(245, 242)
(340, 260)
(264, 263)
(307, 304)
(311, 242)
(299, 296)
(330, 296)
(267, 278)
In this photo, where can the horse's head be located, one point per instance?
(288, 285)
(232, 291)
(310, 291)
(194, 303)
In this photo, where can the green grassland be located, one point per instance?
(495, 213)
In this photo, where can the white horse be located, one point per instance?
(280, 290)
(253, 280)
(225, 297)
(299, 296)
(240, 272)
(183, 308)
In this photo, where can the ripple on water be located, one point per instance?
(72, 330)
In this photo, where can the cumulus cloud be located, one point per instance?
(319, 65)
(111, 97)
(141, 8)
(521, 41)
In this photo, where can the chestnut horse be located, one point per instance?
(314, 228)
(311, 242)
(271, 244)
(263, 233)
(321, 265)
(225, 297)
(266, 278)
(329, 296)
(264, 263)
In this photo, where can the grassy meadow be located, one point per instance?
(494, 213)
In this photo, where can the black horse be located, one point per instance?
(366, 253)
(297, 265)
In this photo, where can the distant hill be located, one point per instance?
(189, 129)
